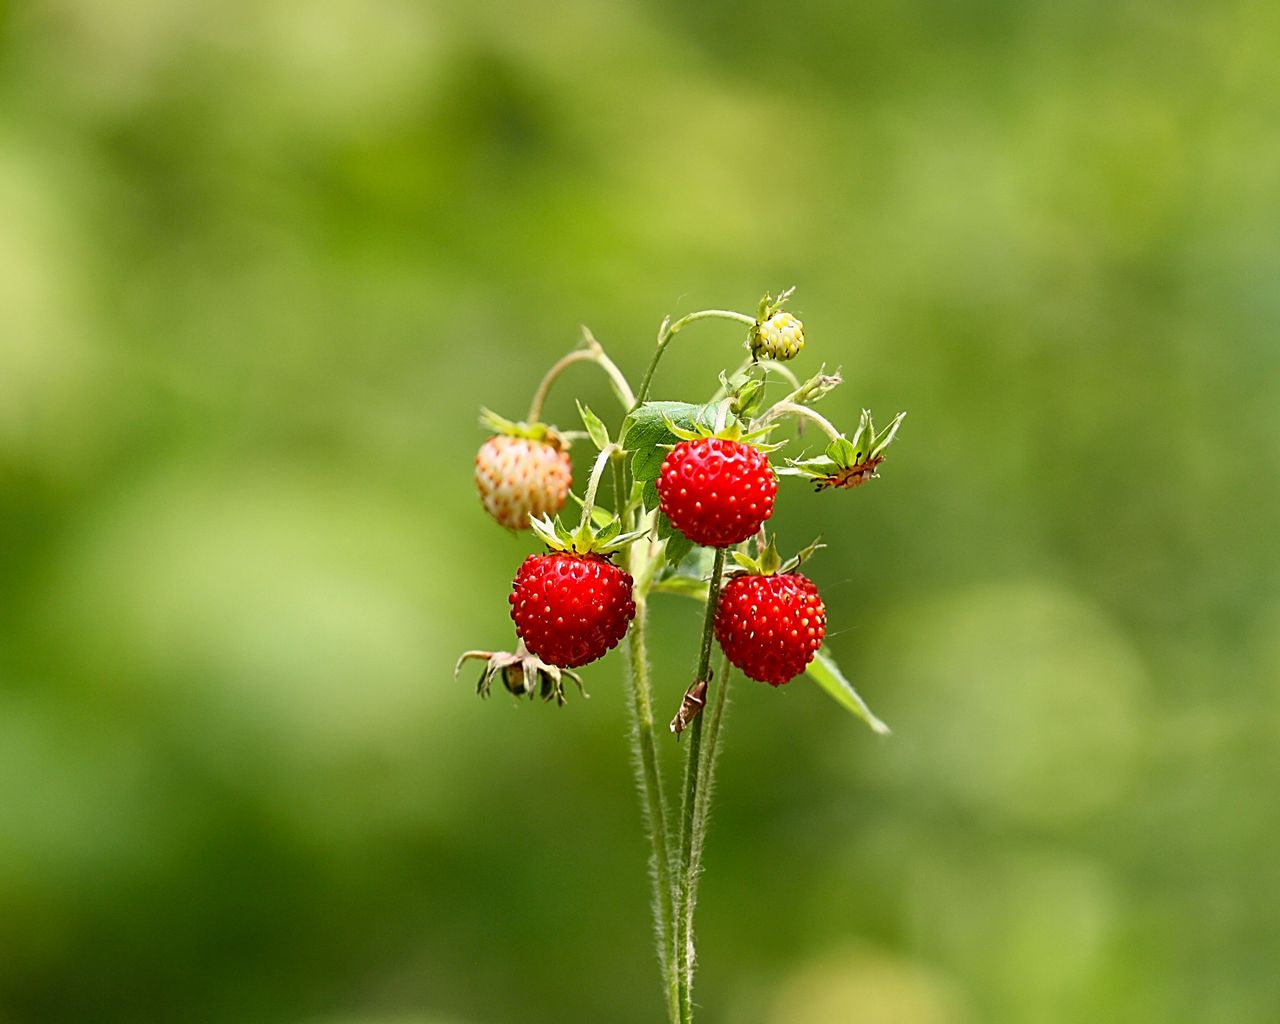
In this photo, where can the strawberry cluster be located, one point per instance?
(714, 487)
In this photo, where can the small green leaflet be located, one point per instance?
(596, 430)
(826, 673)
(678, 545)
(646, 430)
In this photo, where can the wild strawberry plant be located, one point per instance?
(692, 485)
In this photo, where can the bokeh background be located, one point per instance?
(262, 260)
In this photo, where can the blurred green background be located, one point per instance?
(260, 263)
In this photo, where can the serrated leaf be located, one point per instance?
(596, 430)
(826, 673)
(610, 530)
(645, 430)
(649, 496)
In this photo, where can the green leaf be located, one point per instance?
(827, 674)
(596, 430)
(678, 545)
(646, 429)
(649, 494)
(683, 586)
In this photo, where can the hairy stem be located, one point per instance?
(669, 330)
(649, 782)
(706, 780)
(686, 884)
(802, 411)
(644, 755)
(589, 500)
(593, 353)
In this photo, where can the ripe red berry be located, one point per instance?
(771, 626)
(518, 477)
(716, 492)
(570, 609)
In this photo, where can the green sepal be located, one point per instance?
(770, 305)
(585, 539)
(803, 555)
(683, 434)
(826, 673)
(847, 453)
(596, 430)
(768, 562)
(842, 452)
(645, 430)
(731, 431)
(496, 424)
(882, 440)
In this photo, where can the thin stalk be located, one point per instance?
(707, 767)
(592, 353)
(644, 755)
(669, 330)
(649, 782)
(686, 885)
(589, 501)
(803, 411)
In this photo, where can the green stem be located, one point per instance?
(649, 782)
(589, 500)
(802, 411)
(669, 330)
(593, 353)
(686, 883)
(644, 755)
(706, 780)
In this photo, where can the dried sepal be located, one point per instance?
(521, 673)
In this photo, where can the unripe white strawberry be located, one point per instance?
(519, 477)
(780, 337)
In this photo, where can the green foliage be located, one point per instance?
(647, 433)
(826, 673)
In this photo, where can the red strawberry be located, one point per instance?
(715, 491)
(519, 477)
(771, 626)
(570, 609)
